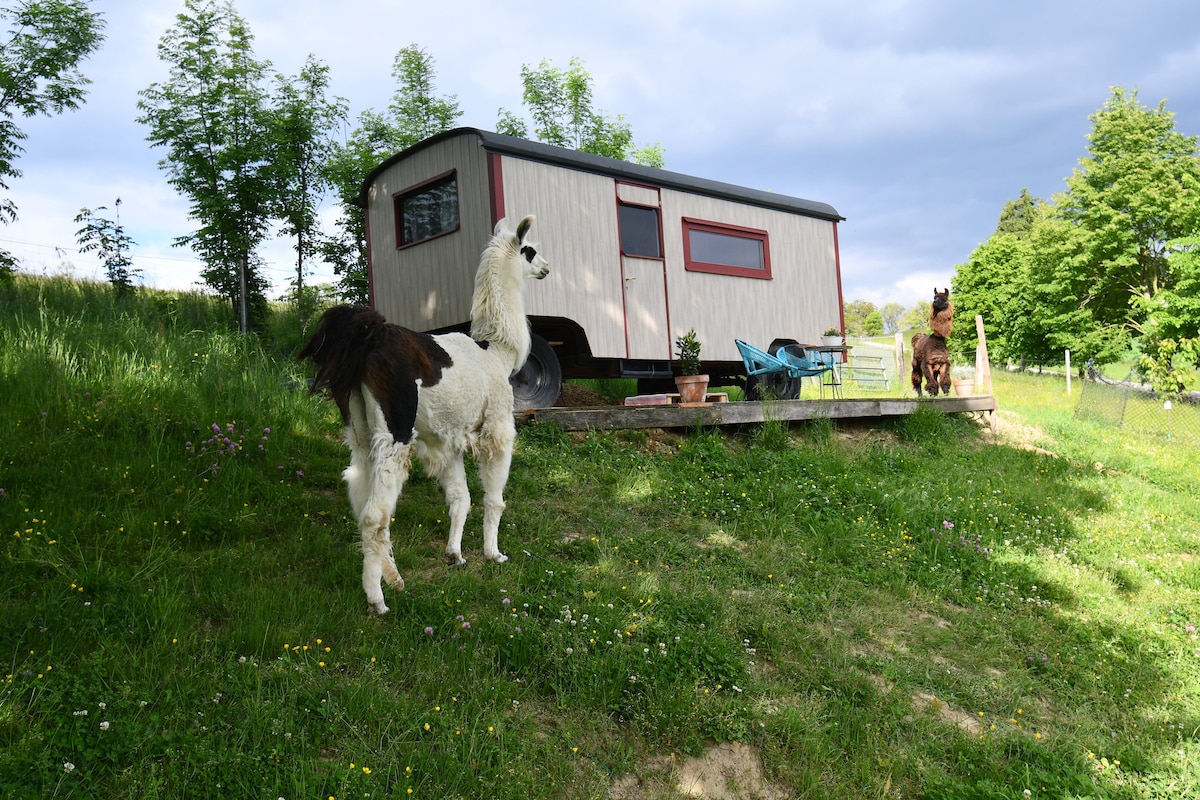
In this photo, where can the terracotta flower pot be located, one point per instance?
(964, 387)
(692, 388)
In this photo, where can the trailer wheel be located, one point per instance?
(539, 380)
(773, 386)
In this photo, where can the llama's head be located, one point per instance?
(532, 263)
(940, 299)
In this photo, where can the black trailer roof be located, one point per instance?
(603, 165)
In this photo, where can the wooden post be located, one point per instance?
(1068, 373)
(983, 368)
(900, 366)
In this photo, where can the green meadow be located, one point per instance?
(920, 608)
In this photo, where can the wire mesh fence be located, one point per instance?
(1135, 406)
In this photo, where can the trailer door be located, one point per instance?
(643, 272)
(647, 334)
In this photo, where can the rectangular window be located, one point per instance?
(427, 210)
(641, 234)
(725, 249)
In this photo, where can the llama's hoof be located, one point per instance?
(455, 559)
(497, 557)
(396, 583)
(377, 608)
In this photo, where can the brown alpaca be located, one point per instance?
(941, 313)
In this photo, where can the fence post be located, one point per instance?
(899, 358)
(1068, 373)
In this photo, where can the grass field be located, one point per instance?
(916, 609)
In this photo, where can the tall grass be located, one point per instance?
(909, 610)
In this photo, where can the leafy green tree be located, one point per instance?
(1100, 267)
(873, 324)
(891, 314)
(212, 117)
(1019, 216)
(44, 43)
(1171, 342)
(855, 313)
(415, 113)
(916, 318)
(304, 122)
(560, 104)
(1135, 194)
(416, 109)
(108, 239)
(995, 284)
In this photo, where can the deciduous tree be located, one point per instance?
(108, 239)
(304, 119)
(560, 103)
(212, 117)
(44, 43)
(415, 113)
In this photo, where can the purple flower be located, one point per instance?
(947, 524)
(505, 601)
(466, 625)
(266, 431)
(429, 630)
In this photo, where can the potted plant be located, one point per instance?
(692, 386)
(832, 336)
(963, 379)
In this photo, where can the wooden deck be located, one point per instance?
(747, 412)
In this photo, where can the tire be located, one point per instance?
(539, 380)
(775, 386)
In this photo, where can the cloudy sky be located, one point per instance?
(916, 119)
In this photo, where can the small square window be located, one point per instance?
(427, 211)
(640, 231)
(726, 249)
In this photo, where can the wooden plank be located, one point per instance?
(744, 412)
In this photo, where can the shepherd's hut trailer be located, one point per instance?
(638, 256)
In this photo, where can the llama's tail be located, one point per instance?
(341, 347)
(355, 345)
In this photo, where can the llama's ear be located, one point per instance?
(501, 224)
(523, 227)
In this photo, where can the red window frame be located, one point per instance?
(724, 229)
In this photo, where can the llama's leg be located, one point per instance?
(916, 378)
(389, 470)
(946, 379)
(374, 479)
(494, 464)
(453, 477)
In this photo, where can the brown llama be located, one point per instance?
(931, 362)
(931, 359)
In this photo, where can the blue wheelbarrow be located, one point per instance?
(778, 374)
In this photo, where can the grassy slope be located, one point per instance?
(800, 592)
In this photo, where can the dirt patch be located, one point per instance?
(729, 771)
(962, 720)
(1011, 430)
(572, 396)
